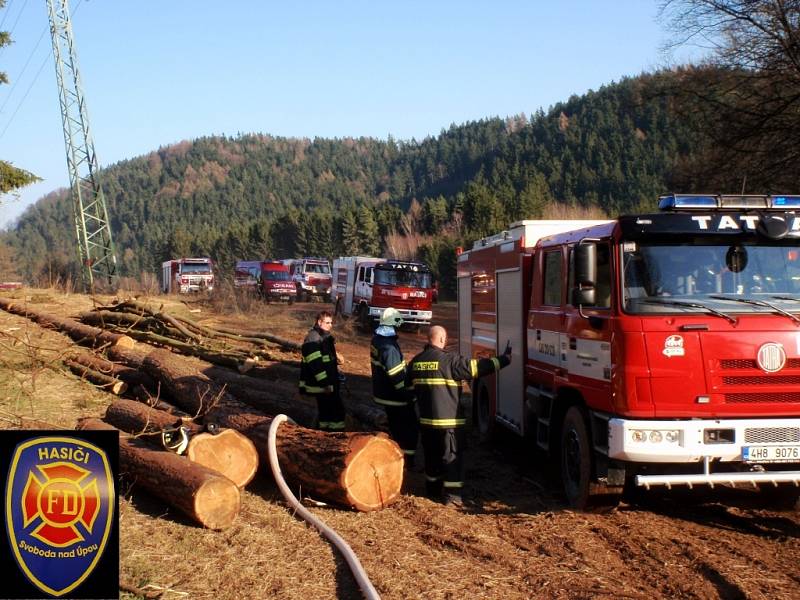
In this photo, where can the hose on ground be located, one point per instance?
(360, 575)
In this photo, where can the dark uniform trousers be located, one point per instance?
(436, 377)
(319, 377)
(389, 390)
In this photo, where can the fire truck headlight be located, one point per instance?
(656, 437)
(637, 435)
(672, 436)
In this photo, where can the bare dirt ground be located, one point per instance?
(513, 539)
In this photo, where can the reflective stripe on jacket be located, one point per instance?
(388, 372)
(436, 377)
(319, 373)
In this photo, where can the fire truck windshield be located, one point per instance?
(276, 275)
(403, 277)
(707, 273)
(196, 268)
(318, 268)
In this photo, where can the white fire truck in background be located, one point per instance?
(311, 276)
(184, 275)
(659, 349)
(365, 286)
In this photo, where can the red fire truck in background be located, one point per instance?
(184, 275)
(650, 350)
(268, 278)
(365, 286)
(311, 276)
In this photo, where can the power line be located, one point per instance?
(19, 14)
(8, 10)
(19, 77)
(35, 78)
(21, 102)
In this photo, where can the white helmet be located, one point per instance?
(391, 317)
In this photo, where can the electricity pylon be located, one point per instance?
(95, 245)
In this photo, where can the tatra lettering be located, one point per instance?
(737, 222)
(702, 221)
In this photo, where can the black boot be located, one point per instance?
(433, 490)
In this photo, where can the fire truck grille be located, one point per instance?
(772, 435)
(745, 363)
(762, 398)
(761, 380)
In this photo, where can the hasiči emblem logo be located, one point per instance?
(59, 510)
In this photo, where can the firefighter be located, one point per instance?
(319, 373)
(389, 384)
(436, 376)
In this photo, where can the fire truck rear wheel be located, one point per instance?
(576, 458)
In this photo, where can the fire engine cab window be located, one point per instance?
(276, 275)
(200, 269)
(713, 275)
(552, 279)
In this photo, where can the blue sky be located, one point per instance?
(156, 72)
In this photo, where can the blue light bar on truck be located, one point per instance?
(679, 202)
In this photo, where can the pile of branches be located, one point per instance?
(241, 350)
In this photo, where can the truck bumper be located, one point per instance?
(756, 451)
(411, 317)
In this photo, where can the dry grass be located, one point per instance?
(514, 540)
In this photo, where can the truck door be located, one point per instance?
(587, 343)
(510, 327)
(364, 284)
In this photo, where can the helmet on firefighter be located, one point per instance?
(391, 317)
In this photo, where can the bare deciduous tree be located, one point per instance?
(748, 87)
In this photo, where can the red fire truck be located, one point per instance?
(650, 350)
(365, 286)
(268, 278)
(312, 277)
(184, 275)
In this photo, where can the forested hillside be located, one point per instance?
(254, 195)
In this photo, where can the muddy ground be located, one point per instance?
(513, 539)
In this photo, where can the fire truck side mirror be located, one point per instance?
(585, 274)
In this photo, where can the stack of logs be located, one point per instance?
(226, 436)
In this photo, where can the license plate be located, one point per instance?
(284, 297)
(771, 453)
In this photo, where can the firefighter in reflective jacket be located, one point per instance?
(389, 384)
(436, 377)
(319, 373)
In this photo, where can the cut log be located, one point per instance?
(101, 380)
(204, 495)
(363, 471)
(83, 334)
(271, 397)
(330, 466)
(228, 452)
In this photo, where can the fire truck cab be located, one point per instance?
(186, 275)
(651, 350)
(365, 286)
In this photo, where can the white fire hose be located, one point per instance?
(362, 579)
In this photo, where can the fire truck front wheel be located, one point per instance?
(576, 457)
